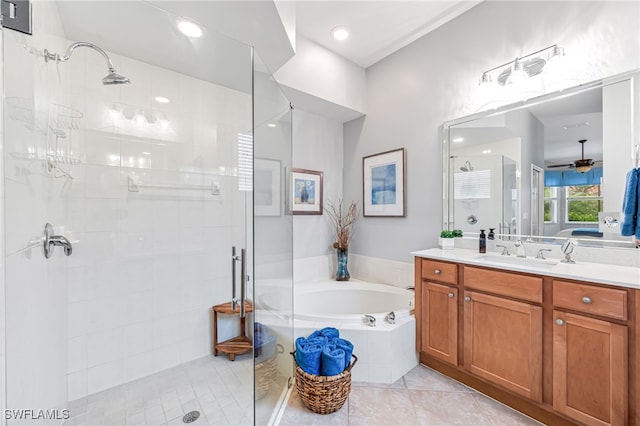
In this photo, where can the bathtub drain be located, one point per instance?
(191, 417)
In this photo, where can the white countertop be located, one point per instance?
(602, 273)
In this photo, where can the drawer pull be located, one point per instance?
(437, 271)
(586, 300)
(560, 321)
(450, 295)
(467, 299)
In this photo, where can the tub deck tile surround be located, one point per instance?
(420, 397)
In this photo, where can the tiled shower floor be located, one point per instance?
(421, 397)
(214, 386)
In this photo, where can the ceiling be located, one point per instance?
(377, 28)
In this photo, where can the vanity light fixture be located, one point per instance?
(520, 69)
(340, 33)
(189, 28)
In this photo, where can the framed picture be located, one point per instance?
(306, 191)
(384, 184)
(267, 187)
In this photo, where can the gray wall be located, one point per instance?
(317, 145)
(435, 79)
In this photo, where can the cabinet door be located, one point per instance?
(503, 343)
(440, 322)
(589, 369)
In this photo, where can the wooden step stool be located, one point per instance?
(236, 345)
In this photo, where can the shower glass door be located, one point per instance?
(151, 184)
(273, 244)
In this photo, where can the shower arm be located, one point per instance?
(55, 57)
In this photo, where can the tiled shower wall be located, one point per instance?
(149, 264)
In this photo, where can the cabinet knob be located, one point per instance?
(586, 300)
(467, 298)
(437, 271)
(450, 295)
(560, 321)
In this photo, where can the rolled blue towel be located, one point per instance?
(317, 340)
(330, 333)
(332, 361)
(308, 356)
(264, 345)
(346, 346)
(314, 334)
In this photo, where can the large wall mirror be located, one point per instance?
(549, 168)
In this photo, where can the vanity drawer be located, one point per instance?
(524, 287)
(608, 302)
(439, 271)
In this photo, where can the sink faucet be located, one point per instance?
(505, 250)
(540, 254)
(520, 249)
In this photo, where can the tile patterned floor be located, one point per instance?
(211, 385)
(421, 397)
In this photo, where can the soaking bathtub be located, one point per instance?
(385, 351)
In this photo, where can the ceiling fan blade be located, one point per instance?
(561, 165)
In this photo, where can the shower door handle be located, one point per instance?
(49, 241)
(243, 280)
(234, 259)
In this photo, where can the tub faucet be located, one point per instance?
(390, 318)
(370, 320)
(520, 249)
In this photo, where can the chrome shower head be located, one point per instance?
(114, 78)
(111, 78)
(467, 167)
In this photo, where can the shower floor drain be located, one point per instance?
(191, 417)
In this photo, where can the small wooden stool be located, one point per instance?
(236, 345)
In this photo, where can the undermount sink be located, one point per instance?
(513, 260)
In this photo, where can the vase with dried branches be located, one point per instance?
(342, 222)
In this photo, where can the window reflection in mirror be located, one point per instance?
(547, 167)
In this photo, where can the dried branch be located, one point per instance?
(342, 222)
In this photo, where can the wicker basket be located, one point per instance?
(265, 375)
(324, 394)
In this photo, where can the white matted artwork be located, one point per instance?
(306, 191)
(384, 184)
(267, 187)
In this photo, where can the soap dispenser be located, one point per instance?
(483, 242)
(491, 235)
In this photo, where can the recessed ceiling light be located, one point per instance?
(189, 28)
(162, 99)
(486, 151)
(340, 33)
(458, 140)
(271, 125)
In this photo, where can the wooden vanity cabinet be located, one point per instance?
(590, 355)
(502, 336)
(437, 298)
(563, 351)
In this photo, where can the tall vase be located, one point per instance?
(342, 274)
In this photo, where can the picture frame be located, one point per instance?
(267, 191)
(306, 192)
(384, 184)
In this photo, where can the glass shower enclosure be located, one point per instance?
(121, 203)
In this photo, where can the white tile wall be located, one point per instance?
(135, 296)
(150, 263)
